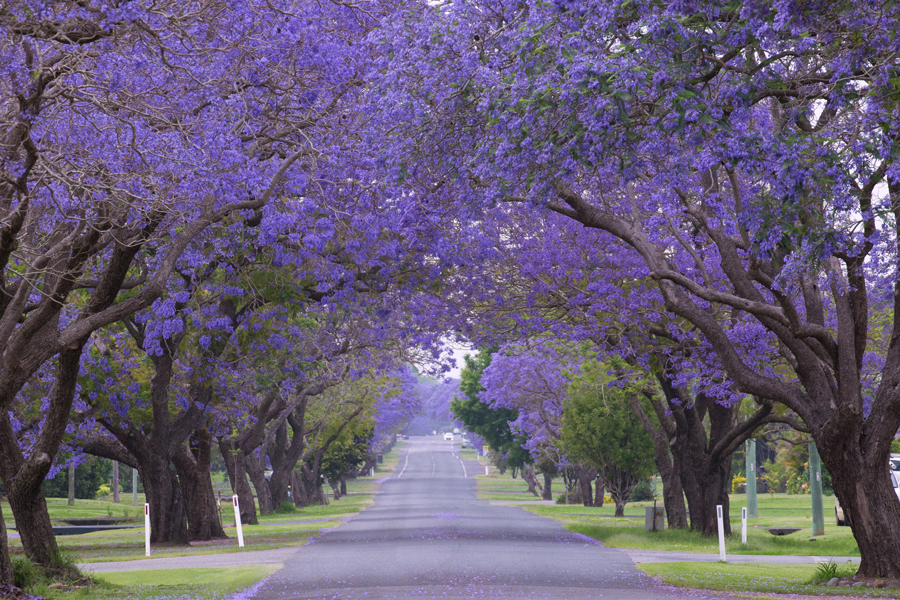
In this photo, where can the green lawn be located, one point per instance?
(780, 510)
(759, 578)
(172, 584)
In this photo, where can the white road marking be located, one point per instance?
(404, 465)
(463, 466)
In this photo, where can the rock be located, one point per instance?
(893, 583)
(845, 583)
(878, 583)
(833, 582)
(859, 584)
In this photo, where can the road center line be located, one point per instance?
(404, 465)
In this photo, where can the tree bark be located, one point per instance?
(23, 477)
(193, 467)
(599, 497)
(585, 475)
(168, 517)
(673, 492)
(548, 481)
(529, 478)
(257, 475)
(862, 485)
(236, 467)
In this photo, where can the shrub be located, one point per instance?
(895, 446)
(642, 492)
(736, 482)
(285, 508)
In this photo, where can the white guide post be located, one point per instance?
(721, 533)
(744, 525)
(237, 521)
(487, 469)
(146, 529)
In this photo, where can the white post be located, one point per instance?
(237, 521)
(744, 525)
(372, 472)
(487, 469)
(721, 533)
(146, 529)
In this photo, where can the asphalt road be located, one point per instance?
(427, 536)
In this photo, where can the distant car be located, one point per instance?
(448, 436)
(839, 511)
(464, 443)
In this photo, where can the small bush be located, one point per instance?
(895, 446)
(829, 570)
(736, 483)
(285, 508)
(642, 492)
(25, 573)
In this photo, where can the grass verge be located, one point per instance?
(758, 541)
(765, 578)
(212, 583)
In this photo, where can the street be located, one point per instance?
(428, 536)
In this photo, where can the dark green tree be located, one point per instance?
(347, 454)
(599, 428)
(490, 424)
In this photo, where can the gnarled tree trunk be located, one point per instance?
(236, 467)
(193, 467)
(585, 475)
(23, 477)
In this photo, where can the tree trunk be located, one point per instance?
(33, 525)
(23, 476)
(584, 476)
(530, 479)
(673, 493)
(673, 496)
(862, 485)
(236, 467)
(168, 518)
(336, 492)
(254, 464)
(200, 501)
(620, 484)
(6, 574)
(599, 497)
(548, 481)
(343, 486)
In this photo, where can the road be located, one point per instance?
(428, 536)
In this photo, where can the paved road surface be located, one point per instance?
(427, 536)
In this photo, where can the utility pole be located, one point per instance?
(71, 484)
(750, 454)
(115, 482)
(815, 488)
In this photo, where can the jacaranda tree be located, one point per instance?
(744, 152)
(126, 131)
